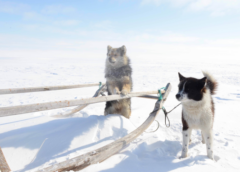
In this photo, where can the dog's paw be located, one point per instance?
(211, 156)
(105, 113)
(190, 141)
(184, 155)
(116, 91)
(124, 92)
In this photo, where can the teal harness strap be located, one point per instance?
(163, 108)
(160, 93)
(100, 84)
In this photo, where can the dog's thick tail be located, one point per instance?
(212, 84)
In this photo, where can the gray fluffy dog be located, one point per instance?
(118, 74)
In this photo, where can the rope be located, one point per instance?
(166, 115)
(159, 98)
(164, 110)
(148, 131)
(155, 129)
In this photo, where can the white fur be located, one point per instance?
(186, 135)
(182, 91)
(209, 76)
(183, 95)
(198, 115)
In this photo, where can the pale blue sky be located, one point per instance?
(57, 28)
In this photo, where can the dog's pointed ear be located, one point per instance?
(123, 50)
(109, 48)
(181, 77)
(203, 82)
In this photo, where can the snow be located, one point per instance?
(37, 140)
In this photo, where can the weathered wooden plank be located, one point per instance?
(3, 163)
(105, 152)
(72, 111)
(45, 88)
(79, 108)
(16, 110)
(149, 97)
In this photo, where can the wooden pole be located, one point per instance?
(72, 111)
(15, 110)
(3, 163)
(99, 91)
(149, 97)
(105, 152)
(45, 88)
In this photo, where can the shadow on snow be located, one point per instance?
(60, 133)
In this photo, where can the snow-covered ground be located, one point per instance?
(37, 140)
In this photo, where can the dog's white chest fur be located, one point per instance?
(198, 119)
(198, 114)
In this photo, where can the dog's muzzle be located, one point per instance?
(112, 60)
(179, 96)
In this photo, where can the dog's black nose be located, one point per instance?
(178, 96)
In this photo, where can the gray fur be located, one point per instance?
(118, 74)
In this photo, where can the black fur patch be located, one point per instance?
(108, 104)
(193, 88)
(184, 123)
(212, 86)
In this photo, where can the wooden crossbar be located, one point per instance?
(45, 88)
(80, 107)
(149, 97)
(16, 110)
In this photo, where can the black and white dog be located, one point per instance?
(197, 109)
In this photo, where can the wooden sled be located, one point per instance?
(3, 163)
(102, 153)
